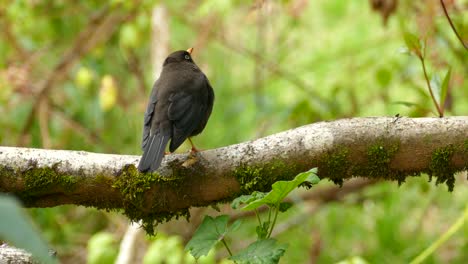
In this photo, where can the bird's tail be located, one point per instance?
(153, 152)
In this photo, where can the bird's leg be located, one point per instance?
(194, 149)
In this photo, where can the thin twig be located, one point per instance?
(452, 26)
(11, 38)
(439, 110)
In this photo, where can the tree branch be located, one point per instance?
(380, 147)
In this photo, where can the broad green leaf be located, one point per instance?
(310, 181)
(312, 178)
(245, 199)
(281, 189)
(263, 251)
(444, 88)
(208, 234)
(15, 228)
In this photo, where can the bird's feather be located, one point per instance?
(149, 117)
(153, 152)
(184, 124)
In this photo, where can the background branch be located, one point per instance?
(100, 27)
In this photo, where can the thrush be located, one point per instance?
(179, 106)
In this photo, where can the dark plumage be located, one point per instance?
(179, 107)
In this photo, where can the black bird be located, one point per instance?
(179, 107)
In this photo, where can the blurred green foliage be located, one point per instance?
(274, 66)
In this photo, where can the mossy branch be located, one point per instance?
(388, 148)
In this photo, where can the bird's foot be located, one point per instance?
(194, 150)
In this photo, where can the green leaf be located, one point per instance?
(284, 206)
(208, 234)
(436, 87)
(245, 199)
(235, 225)
(262, 251)
(281, 189)
(15, 228)
(262, 230)
(444, 89)
(413, 43)
(407, 104)
(313, 179)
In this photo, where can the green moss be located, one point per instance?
(133, 186)
(336, 165)
(260, 178)
(379, 156)
(104, 179)
(149, 221)
(39, 179)
(7, 173)
(441, 168)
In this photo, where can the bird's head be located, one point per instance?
(180, 56)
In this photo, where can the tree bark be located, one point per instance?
(390, 148)
(13, 255)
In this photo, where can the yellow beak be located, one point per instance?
(190, 51)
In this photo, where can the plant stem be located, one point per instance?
(452, 230)
(452, 26)
(269, 214)
(439, 110)
(274, 221)
(258, 217)
(225, 244)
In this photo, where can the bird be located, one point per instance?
(180, 104)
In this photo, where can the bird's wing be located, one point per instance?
(148, 117)
(186, 113)
(211, 98)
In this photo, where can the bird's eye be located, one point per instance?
(187, 57)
